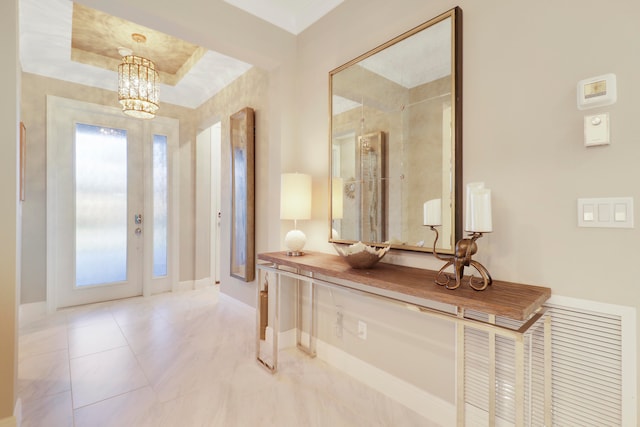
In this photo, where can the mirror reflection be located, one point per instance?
(395, 140)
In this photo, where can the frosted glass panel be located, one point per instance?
(159, 205)
(101, 205)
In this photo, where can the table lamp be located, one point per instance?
(295, 204)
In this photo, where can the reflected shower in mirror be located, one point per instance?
(396, 139)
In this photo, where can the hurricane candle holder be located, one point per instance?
(478, 221)
(465, 248)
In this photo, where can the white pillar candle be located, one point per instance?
(480, 209)
(433, 212)
(471, 187)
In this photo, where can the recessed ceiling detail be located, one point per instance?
(293, 16)
(96, 37)
(67, 41)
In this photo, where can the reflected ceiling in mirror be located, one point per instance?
(396, 139)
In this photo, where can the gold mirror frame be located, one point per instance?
(375, 178)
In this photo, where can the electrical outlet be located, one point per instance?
(362, 330)
(339, 323)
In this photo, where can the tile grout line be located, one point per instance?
(238, 384)
(73, 414)
(144, 372)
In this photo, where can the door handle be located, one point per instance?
(137, 218)
(138, 231)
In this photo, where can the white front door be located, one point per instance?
(109, 226)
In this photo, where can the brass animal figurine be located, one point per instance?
(465, 248)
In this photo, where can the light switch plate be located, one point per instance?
(609, 212)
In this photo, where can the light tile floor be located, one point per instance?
(180, 359)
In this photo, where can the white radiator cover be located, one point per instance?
(593, 368)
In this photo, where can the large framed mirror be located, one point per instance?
(396, 139)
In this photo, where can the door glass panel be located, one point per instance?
(101, 204)
(159, 205)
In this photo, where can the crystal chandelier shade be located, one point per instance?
(137, 87)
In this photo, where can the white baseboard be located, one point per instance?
(16, 419)
(286, 339)
(202, 283)
(17, 410)
(477, 417)
(432, 407)
(32, 311)
(187, 285)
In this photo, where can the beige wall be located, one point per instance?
(249, 90)
(9, 214)
(522, 131)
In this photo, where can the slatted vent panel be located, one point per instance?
(586, 373)
(477, 373)
(587, 368)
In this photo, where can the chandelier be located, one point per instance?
(137, 83)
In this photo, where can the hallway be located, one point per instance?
(180, 359)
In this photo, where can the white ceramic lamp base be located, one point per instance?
(294, 241)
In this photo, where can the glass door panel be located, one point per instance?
(160, 208)
(101, 205)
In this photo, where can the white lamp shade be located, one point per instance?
(295, 196)
(337, 196)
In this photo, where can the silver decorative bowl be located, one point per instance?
(360, 255)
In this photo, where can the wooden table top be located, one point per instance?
(512, 300)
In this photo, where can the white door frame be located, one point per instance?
(215, 211)
(165, 126)
(207, 254)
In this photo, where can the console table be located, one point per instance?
(416, 286)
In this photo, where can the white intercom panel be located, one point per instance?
(596, 130)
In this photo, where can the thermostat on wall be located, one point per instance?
(597, 91)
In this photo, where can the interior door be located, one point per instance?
(109, 228)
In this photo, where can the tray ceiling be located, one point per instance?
(71, 42)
